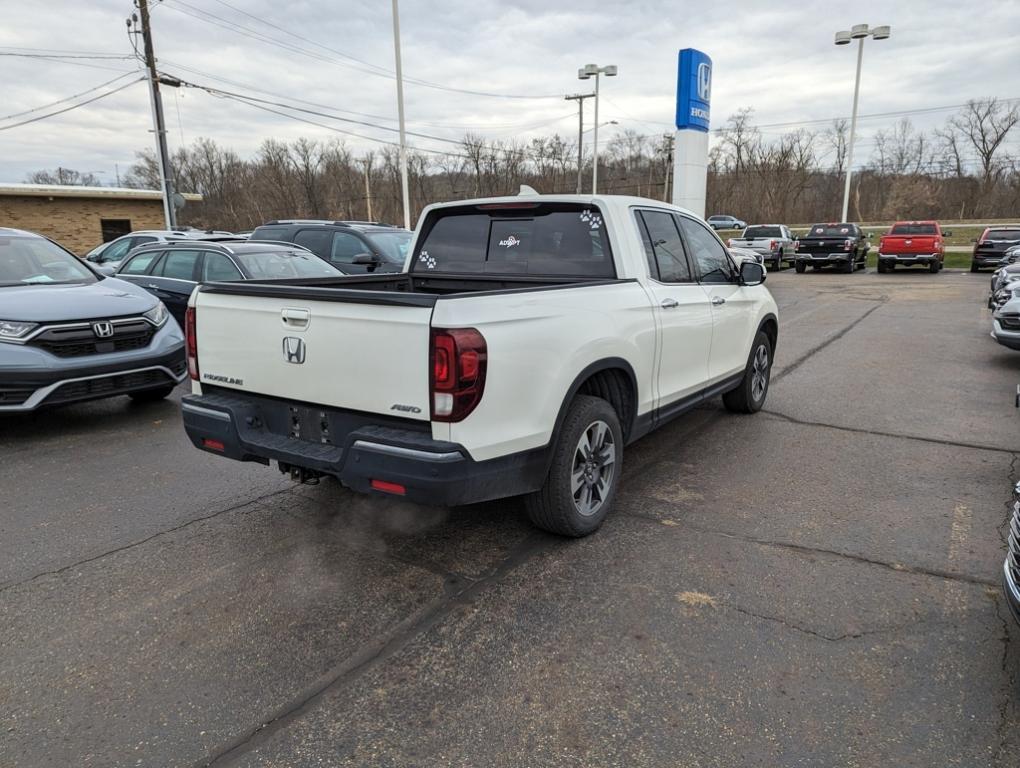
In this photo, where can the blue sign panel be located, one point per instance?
(693, 90)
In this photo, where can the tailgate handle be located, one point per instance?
(295, 318)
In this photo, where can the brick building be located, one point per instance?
(80, 218)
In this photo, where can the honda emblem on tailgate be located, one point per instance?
(293, 350)
(103, 329)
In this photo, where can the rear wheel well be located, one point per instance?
(771, 329)
(615, 386)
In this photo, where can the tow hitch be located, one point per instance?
(301, 474)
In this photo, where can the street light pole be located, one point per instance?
(858, 32)
(586, 72)
(400, 117)
(579, 98)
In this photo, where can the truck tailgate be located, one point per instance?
(908, 244)
(370, 357)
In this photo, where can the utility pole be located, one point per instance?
(579, 98)
(400, 116)
(367, 161)
(669, 167)
(169, 212)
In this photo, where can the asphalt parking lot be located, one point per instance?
(816, 585)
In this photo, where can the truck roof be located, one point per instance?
(612, 201)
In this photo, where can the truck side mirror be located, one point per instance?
(752, 273)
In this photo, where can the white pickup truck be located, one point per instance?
(528, 341)
(773, 242)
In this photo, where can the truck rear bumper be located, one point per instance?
(908, 258)
(373, 459)
(824, 258)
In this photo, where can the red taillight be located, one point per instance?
(458, 358)
(796, 245)
(191, 343)
(212, 445)
(772, 245)
(388, 487)
(847, 244)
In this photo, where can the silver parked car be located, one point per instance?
(68, 334)
(110, 255)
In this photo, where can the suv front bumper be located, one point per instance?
(407, 462)
(1006, 338)
(32, 378)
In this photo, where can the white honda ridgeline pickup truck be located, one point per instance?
(528, 340)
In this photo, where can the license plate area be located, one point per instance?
(309, 424)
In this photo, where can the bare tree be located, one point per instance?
(65, 176)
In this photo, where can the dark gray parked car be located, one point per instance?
(67, 333)
(353, 247)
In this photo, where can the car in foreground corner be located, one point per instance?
(68, 333)
(1011, 566)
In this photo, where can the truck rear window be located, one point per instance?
(1007, 235)
(557, 239)
(913, 229)
(752, 232)
(831, 230)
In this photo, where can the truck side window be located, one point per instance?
(667, 247)
(709, 254)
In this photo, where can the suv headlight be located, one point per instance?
(157, 315)
(13, 330)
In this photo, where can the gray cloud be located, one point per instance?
(777, 58)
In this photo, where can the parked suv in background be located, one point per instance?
(991, 247)
(171, 271)
(111, 254)
(353, 247)
(725, 222)
(912, 242)
(70, 334)
(842, 245)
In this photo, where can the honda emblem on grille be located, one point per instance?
(293, 350)
(103, 329)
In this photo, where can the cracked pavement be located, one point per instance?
(815, 585)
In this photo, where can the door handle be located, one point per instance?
(295, 318)
(669, 303)
(718, 300)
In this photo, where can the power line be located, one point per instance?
(73, 106)
(66, 98)
(372, 69)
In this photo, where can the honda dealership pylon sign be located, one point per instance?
(690, 146)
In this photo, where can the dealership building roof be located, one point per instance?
(65, 190)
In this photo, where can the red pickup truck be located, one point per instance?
(912, 242)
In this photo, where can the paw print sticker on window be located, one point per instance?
(593, 218)
(428, 261)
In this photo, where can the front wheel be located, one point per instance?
(585, 471)
(749, 396)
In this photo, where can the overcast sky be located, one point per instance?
(777, 58)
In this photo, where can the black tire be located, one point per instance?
(554, 508)
(151, 395)
(746, 397)
(850, 265)
(800, 266)
(881, 268)
(973, 267)
(933, 267)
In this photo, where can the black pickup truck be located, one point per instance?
(839, 245)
